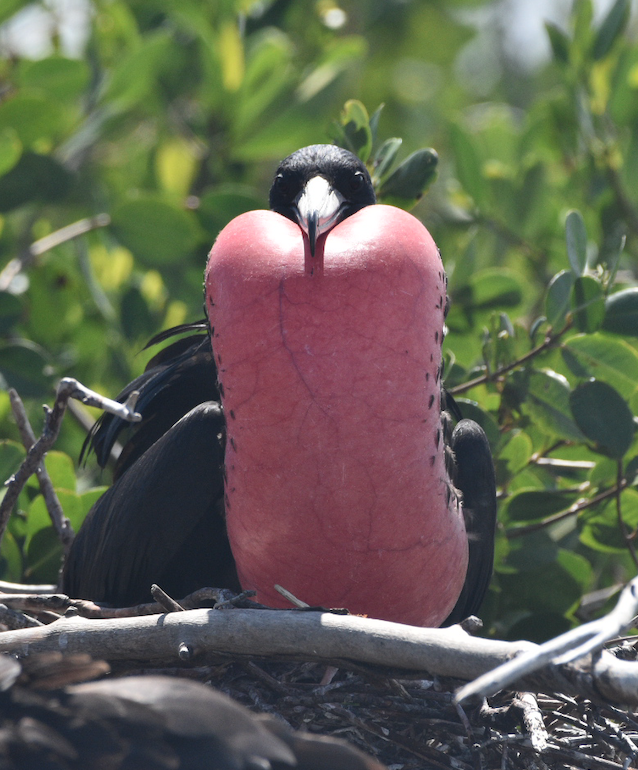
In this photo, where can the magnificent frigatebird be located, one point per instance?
(311, 445)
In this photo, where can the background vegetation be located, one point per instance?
(170, 118)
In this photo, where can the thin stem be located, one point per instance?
(64, 234)
(67, 388)
(549, 342)
(60, 522)
(574, 509)
(628, 538)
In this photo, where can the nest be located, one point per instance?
(410, 722)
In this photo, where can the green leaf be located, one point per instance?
(533, 504)
(611, 28)
(495, 287)
(220, 205)
(155, 231)
(516, 452)
(468, 164)
(385, 156)
(470, 410)
(31, 117)
(11, 456)
(10, 559)
(576, 237)
(374, 122)
(61, 470)
(56, 76)
(548, 404)
(621, 313)
(10, 312)
(558, 41)
(588, 303)
(9, 7)
(407, 183)
(34, 178)
(44, 554)
(10, 149)
(603, 416)
(25, 367)
(604, 358)
(558, 297)
(136, 71)
(356, 129)
(600, 529)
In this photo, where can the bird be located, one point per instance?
(154, 722)
(300, 435)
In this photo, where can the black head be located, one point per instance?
(319, 186)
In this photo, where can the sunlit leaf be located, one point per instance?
(601, 529)
(588, 303)
(56, 76)
(604, 358)
(356, 129)
(407, 183)
(10, 149)
(385, 157)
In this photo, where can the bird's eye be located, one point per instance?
(357, 182)
(281, 184)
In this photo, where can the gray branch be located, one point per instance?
(68, 388)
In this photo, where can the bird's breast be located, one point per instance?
(335, 479)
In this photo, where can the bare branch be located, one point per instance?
(563, 649)
(548, 343)
(60, 522)
(67, 388)
(68, 233)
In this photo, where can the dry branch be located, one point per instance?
(61, 524)
(314, 636)
(67, 388)
(565, 648)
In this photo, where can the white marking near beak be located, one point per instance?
(318, 207)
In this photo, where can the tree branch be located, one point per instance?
(68, 233)
(67, 388)
(60, 522)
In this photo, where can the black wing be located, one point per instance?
(161, 522)
(176, 380)
(475, 479)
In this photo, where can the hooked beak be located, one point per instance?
(318, 208)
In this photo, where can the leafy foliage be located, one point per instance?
(172, 123)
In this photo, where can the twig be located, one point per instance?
(561, 650)
(627, 537)
(574, 509)
(67, 388)
(13, 620)
(68, 233)
(549, 342)
(60, 522)
(533, 720)
(26, 588)
(167, 602)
